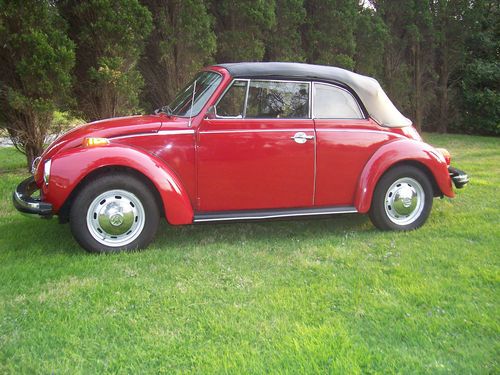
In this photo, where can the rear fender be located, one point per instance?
(395, 152)
(70, 167)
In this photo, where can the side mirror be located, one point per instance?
(211, 113)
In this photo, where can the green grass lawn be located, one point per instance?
(330, 295)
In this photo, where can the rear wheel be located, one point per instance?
(115, 212)
(402, 199)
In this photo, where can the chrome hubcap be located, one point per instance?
(404, 201)
(115, 218)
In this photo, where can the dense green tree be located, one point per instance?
(329, 32)
(36, 58)
(242, 28)
(285, 40)
(421, 37)
(480, 81)
(449, 21)
(181, 43)
(109, 37)
(395, 67)
(409, 55)
(371, 38)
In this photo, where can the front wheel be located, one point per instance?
(402, 199)
(115, 212)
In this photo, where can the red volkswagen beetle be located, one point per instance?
(242, 141)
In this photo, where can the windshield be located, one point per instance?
(206, 83)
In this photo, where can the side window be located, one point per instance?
(233, 102)
(334, 102)
(276, 99)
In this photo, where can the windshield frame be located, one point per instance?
(188, 89)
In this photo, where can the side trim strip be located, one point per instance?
(161, 132)
(321, 130)
(271, 214)
(289, 130)
(186, 131)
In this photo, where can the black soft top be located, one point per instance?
(284, 70)
(373, 98)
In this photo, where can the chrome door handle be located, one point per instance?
(301, 137)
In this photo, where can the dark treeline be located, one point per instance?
(437, 59)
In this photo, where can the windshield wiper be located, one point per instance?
(165, 109)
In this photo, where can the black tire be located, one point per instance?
(386, 217)
(145, 211)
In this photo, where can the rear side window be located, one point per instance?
(335, 103)
(278, 99)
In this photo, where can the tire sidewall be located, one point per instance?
(377, 212)
(112, 181)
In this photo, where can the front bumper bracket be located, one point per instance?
(26, 204)
(459, 178)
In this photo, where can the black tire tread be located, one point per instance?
(377, 212)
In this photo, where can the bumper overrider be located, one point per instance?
(459, 178)
(26, 204)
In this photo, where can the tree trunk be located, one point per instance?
(442, 92)
(443, 104)
(418, 87)
(32, 152)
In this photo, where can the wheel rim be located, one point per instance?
(404, 201)
(115, 218)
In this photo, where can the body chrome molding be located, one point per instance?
(322, 130)
(160, 132)
(175, 132)
(271, 214)
(255, 131)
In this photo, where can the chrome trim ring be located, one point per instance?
(115, 218)
(404, 201)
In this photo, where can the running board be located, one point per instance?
(271, 214)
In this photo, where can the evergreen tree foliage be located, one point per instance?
(182, 42)
(285, 40)
(438, 60)
(408, 56)
(110, 37)
(36, 58)
(480, 85)
(371, 36)
(329, 32)
(242, 28)
(449, 20)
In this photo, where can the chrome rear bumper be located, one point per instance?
(26, 204)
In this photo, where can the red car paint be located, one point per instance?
(207, 165)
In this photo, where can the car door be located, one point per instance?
(256, 150)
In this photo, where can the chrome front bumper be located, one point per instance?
(26, 204)
(459, 178)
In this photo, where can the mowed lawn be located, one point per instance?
(330, 295)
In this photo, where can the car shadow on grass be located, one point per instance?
(23, 235)
(260, 231)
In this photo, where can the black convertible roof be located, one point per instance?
(376, 102)
(284, 70)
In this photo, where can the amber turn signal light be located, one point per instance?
(94, 142)
(446, 154)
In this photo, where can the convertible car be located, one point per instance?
(242, 141)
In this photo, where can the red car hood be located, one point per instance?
(105, 128)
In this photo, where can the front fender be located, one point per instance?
(70, 167)
(397, 151)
